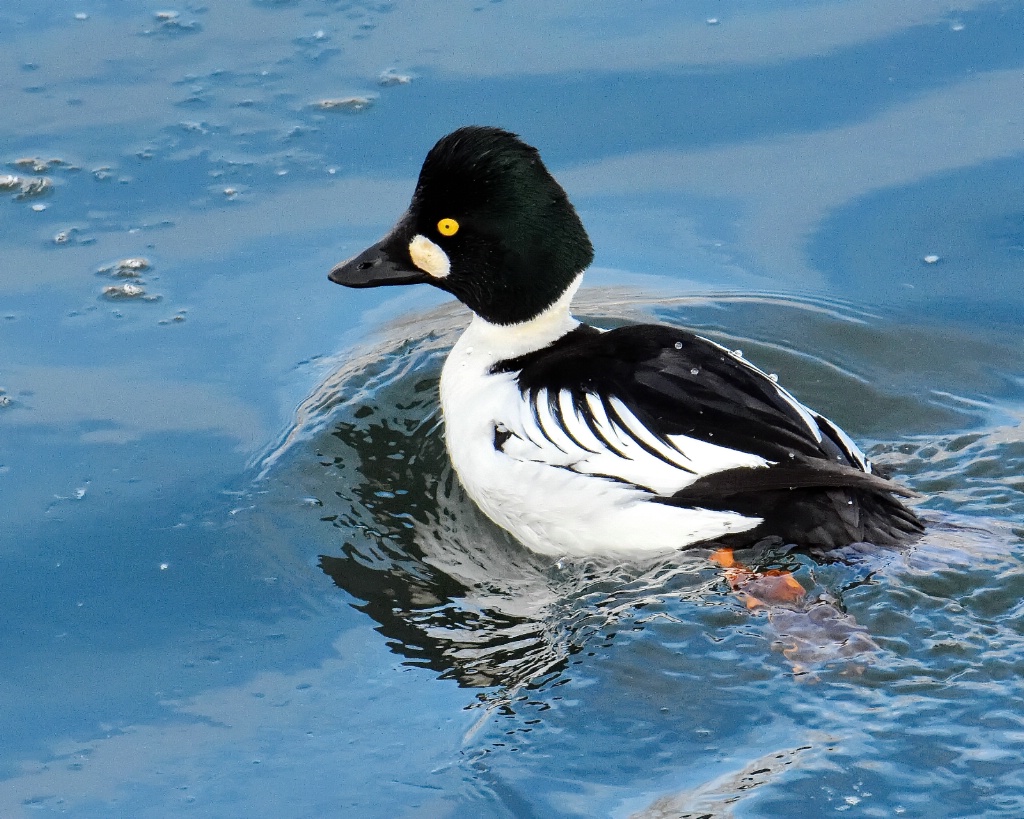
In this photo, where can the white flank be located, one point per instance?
(555, 484)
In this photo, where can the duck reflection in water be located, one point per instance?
(451, 590)
(455, 593)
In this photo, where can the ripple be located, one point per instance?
(974, 472)
(454, 593)
(896, 673)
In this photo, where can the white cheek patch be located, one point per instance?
(428, 257)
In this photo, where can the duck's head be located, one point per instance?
(487, 223)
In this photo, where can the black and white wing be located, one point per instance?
(690, 421)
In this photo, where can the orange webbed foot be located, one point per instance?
(758, 589)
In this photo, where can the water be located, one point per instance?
(239, 577)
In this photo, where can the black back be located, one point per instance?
(816, 494)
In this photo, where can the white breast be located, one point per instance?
(548, 484)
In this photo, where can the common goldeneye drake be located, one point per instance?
(579, 441)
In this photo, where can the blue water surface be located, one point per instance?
(238, 575)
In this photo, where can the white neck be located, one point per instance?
(511, 340)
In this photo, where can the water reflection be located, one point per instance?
(450, 590)
(454, 593)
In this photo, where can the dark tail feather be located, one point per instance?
(821, 520)
(814, 504)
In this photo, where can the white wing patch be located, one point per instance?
(852, 451)
(602, 437)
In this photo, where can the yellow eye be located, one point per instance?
(447, 227)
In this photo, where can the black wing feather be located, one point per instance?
(677, 383)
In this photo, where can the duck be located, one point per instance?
(579, 441)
